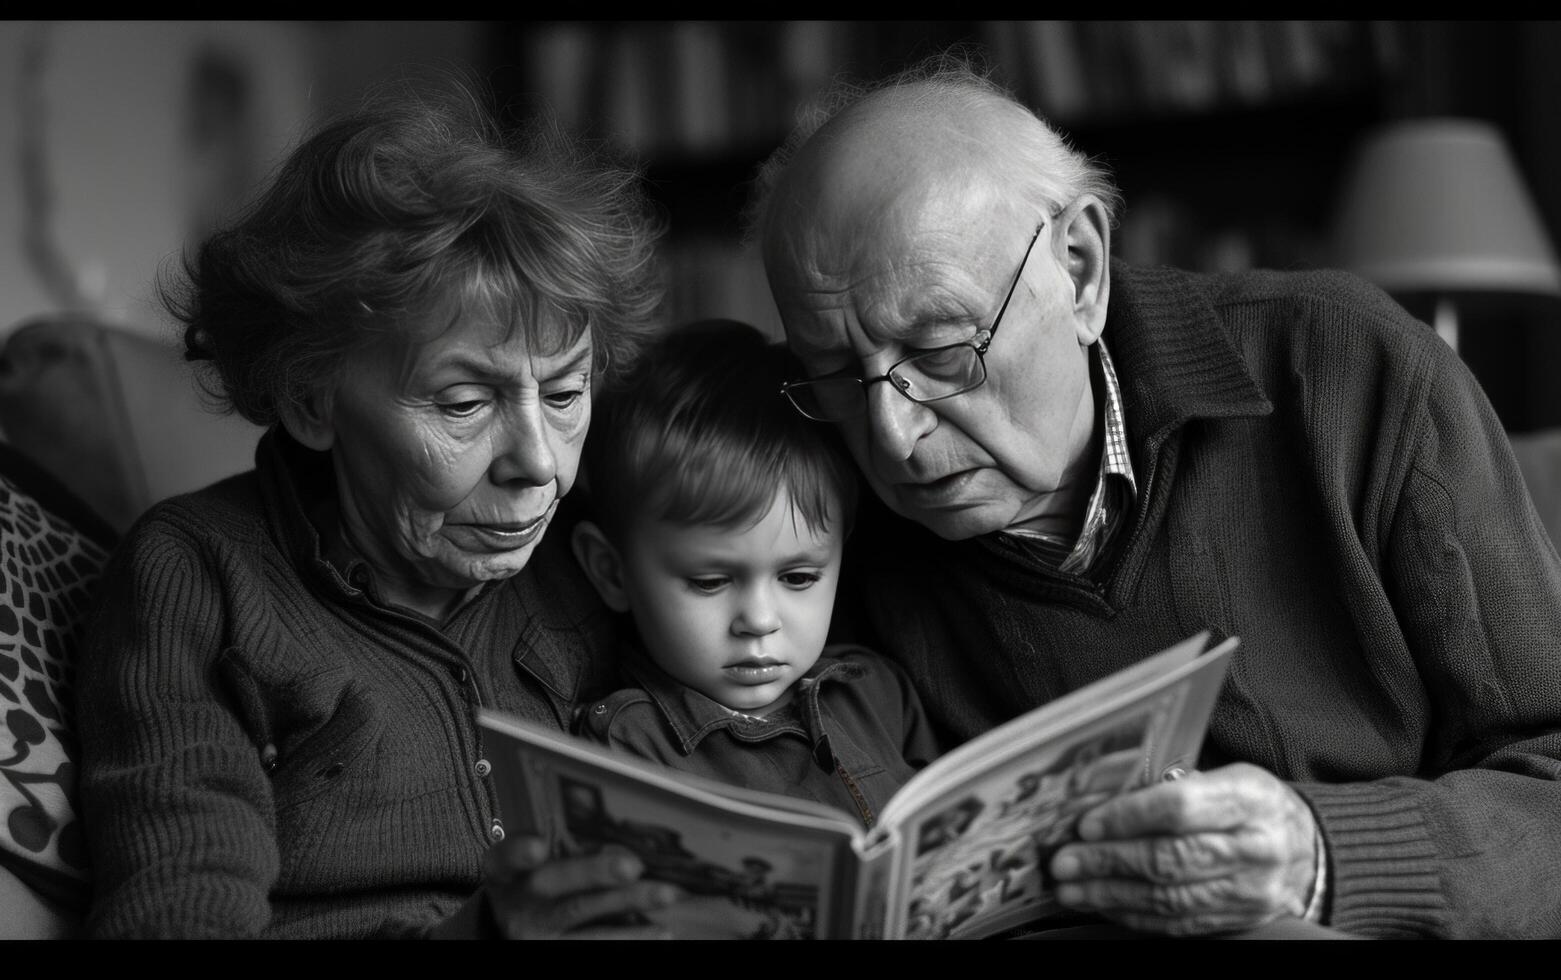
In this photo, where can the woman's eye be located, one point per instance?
(564, 399)
(800, 580)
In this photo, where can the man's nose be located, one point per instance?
(895, 422)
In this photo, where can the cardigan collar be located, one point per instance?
(1173, 355)
(300, 488)
(560, 611)
(296, 482)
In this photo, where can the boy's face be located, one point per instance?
(738, 614)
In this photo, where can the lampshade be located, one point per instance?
(1438, 205)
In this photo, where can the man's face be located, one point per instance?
(857, 296)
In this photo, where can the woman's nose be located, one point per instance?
(523, 451)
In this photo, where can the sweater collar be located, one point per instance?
(560, 609)
(1173, 355)
(296, 482)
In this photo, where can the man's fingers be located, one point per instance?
(1220, 799)
(1191, 857)
(1217, 901)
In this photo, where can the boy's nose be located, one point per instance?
(758, 615)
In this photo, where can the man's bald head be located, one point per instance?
(940, 132)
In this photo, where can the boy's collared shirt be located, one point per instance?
(852, 734)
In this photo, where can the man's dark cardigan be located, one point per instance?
(1320, 475)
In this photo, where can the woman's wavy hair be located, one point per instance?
(416, 204)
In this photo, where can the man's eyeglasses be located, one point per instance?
(925, 376)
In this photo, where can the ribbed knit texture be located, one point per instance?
(1320, 475)
(269, 752)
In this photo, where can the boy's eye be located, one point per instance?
(799, 580)
(707, 585)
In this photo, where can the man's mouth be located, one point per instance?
(941, 492)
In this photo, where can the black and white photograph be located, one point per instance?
(824, 440)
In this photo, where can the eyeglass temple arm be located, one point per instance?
(1012, 287)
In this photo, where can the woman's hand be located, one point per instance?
(525, 895)
(1224, 850)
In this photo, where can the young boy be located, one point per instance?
(720, 518)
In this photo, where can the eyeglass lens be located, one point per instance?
(924, 377)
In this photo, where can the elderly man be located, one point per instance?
(1081, 462)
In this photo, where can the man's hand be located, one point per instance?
(1218, 851)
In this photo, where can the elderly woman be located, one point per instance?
(277, 697)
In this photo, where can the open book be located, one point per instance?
(959, 852)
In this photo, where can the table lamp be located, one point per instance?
(1437, 206)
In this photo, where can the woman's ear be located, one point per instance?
(1085, 232)
(602, 564)
(309, 421)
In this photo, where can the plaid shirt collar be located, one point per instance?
(1115, 487)
(1114, 461)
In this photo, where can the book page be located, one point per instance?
(977, 854)
(1019, 734)
(750, 865)
(979, 834)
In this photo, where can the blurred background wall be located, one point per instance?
(122, 142)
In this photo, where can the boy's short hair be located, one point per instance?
(699, 433)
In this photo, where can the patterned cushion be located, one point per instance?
(51, 553)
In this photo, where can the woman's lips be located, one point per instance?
(501, 537)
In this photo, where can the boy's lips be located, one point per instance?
(755, 671)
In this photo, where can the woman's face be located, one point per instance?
(451, 453)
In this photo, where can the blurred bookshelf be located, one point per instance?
(698, 104)
(1226, 137)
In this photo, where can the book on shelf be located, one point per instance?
(960, 851)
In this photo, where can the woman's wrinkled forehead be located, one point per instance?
(515, 311)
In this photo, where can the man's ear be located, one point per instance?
(602, 564)
(310, 421)
(1085, 232)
